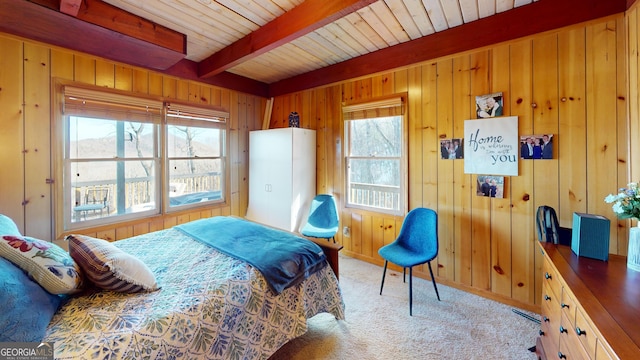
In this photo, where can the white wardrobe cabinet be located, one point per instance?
(282, 176)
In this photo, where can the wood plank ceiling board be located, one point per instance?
(504, 5)
(209, 27)
(452, 13)
(313, 45)
(390, 21)
(420, 17)
(263, 44)
(336, 35)
(369, 15)
(486, 8)
(549, 14)
(361, 32)
(436, 14)
(518, 3)
(305, 18)
(469, 9)
(406, 21)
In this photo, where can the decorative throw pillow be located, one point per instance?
(27, 308)
(109, 267)
(7, 226)
(47, 263)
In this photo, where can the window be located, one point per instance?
(122, 161)
(196, 155)
(375, 155)
(111, 156)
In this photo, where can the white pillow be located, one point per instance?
(109, 267)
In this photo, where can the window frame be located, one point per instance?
(62, 202)
(67, 181)
(177, 113)
(387, 106)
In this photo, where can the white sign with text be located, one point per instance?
(491, 146)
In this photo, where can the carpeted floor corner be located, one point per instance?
(461, 326)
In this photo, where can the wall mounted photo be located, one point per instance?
(490, 186)
(489, 105)
(491, 146)
(536, 146)
(452, 148)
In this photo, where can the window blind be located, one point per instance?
(393, 106)
(103, 104)
(184, 114)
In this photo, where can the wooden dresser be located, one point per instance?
(590, 308)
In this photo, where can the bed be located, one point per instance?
(208, 305)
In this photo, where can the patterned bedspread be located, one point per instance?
(210, 306)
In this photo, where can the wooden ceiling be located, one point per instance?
(272, 47)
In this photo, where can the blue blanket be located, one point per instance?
(283, 258)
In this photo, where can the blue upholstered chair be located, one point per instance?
(416, 244)
(323, 218)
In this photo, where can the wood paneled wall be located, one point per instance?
(28, 71)
(570, 83)
(633, 52)
(573, 83)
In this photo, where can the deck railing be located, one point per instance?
(140, 191)
(377, 196)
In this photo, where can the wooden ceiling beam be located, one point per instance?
(537, 17)
(70, 7)
(297, 22)
(100, 13)
(119, 36)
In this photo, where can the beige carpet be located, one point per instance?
(461, 326)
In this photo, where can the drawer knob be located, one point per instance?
(563, 330)
(547, 297)
(561, 355)
(540, 332)
(547, 276)
(563, 305)
(580, 332)
(545, 319)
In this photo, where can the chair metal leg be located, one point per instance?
(411, 291)
(404, 275)
(384, 271)
(433, 280)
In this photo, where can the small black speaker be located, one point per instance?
(590, 236)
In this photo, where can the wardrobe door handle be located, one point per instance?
(580, 332)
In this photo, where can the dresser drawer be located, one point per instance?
(551, 278)
(600, 319)
(568, 306)
(550, 320)
(549, 335)
(585, 333)
(570, 347)
(602, 353)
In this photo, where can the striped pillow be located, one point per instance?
(109, 267)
